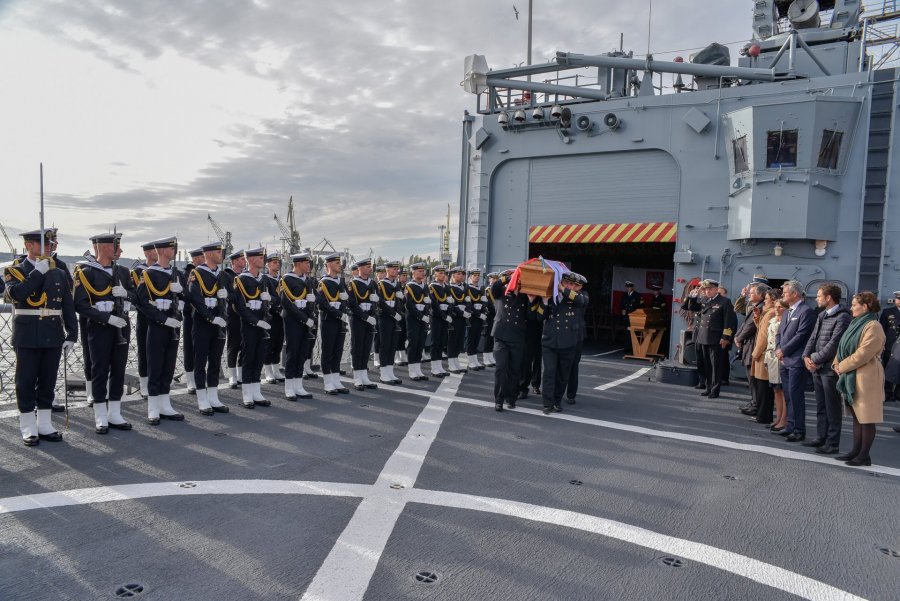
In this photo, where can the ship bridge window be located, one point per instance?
(781, 149)
(830, 149)
(739, 147)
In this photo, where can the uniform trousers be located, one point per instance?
(108, 361)
(140, 335)
(162, 351)
(36, 371)
(234, 338)
(297, 341)
(416, 333)
(276, 341)
(253, 352)
(85, 347)
(361, 335)
(208, 346)
(712, 366)
(508, 356)
(793, 382)
(557, 365)
(572, 385)
(473, 337)
(828, 408)
(438, 337)
(488, 340)
(456, 337)
(387, 340)
(531, 359)
(400, 343)
(333, 334)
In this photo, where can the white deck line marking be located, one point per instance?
(614, 383)
(618, 350)
(346, 572)
(362, 542)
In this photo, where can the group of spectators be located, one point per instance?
(851, 356)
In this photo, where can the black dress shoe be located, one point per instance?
(713, 395)
(308, 395)
(221, 409)
(827, 450)
(784, 432)
(359, 387)
(536, 389)
(373, 386)
(570, 401)
(248, 404)
(896, 428)
(557, 408)
(207, 412)
(263, 403)
(331, 391)
(343, 390)
(122, 426)
(101, 429)
(31, 441)
(748, 410)
(153, 421)
(57, 408)
(795, 437)
(705, 393)
(175, 417)
(814, 443)
(700, 387)
(498, 406)
(510, 404)
(52, 437)
(292, 398)
(856, 461)
(844, 457)
(548, 410)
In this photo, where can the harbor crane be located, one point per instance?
(289, 234)
(224, 236)
(12, 249)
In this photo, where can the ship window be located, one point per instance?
(781, 148)
(739, 147)
(830, 149)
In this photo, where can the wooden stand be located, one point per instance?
(647, 329)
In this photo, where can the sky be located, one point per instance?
(150, 115)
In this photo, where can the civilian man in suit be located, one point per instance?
(793, 333)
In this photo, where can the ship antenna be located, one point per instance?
(649, 21)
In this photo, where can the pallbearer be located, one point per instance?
(491, 315)
(390, 295)
(159, 298)
(238, 263)
(188, 329)
(362, 301)
(580, 311)
(272, 363)
(251, 302)
(104, 293)
(509, 333)
(208, 296)
(44, 326)
(459, 311)
(559, 341)
(332, 303)
(478, 307)
(137, 275)
(297, 299)
(403, 279)
(417, 317)
(440, 318)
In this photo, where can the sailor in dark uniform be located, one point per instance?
(331, 299)
(233, 331)
(104, 293)
(137, 274)
(188, 328)
(297, 299)
(380, 271)
(390, 299)
(251, 302)
(61, 265)
(632, 301)
(208, 296)
(530, 371)
(460, 312)
(713, 334)
(159, 298)
(508, 329)
(440, 318)
(272, 363)
(362, 302)
(491, 313)
(44, 326)
(478, 309)
(402, 280)
(417, 318)
(313, 285)
(580, 313)
(890, 322)
(659, 301)
(562, 328)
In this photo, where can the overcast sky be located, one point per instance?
(151, 114)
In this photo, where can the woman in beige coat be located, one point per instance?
(764, 392)
(861, 375)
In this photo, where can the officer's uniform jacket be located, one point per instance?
(298, 298)
(490, 306)
(203, 287)
(890, 321)
(248, 301)
(631, 302)
(93, 291)
(581, 312)
(513, 312)
(363, 298)
(155, 298)
(441, 301)
(30, 290)
(659, 302)
(417, 299)
(329, 302)
(562, 327)
(716, 320)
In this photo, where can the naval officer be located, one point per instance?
(251, 302)
(44, 326)
(580, 312)
(233, 342)
(297, 298)
(140, 333)
(659, 301)
(188, 328)
(491, 314)
(632, 301)
(390, 299)
(713, 334)
(560, 341)
(104, 293)
(513, 311)
(331, 299)
(362, 302)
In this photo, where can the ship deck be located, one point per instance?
(639, 491)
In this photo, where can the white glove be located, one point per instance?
(426, 319)
(310, 297)
(263, 324)
(343, 296)
(483, 317)
(449, 319)
(484, 299)
(177, 288)
(68, 345)
(218, 321)
(451, 300)
(398, 317)
(221, 293)
(370, 320)
(172, 322)
(116, 322)
(265, 296)
(43, 266)
(373, 297)
(310, 323)
(119, 292)
(399, 295)
(466, 314)
(181, 305)
(346, 319)
(427, 300)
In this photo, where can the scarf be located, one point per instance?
(846, 383)
(558, 271)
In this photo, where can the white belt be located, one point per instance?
(104, 306)
(254, 305)
(211, 302)
(39, 312)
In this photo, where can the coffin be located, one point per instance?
(535, 280)
(644, 319)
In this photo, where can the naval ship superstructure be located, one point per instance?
(782, 164)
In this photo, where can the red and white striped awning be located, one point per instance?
(593, 233)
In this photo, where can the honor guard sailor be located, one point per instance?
(390, 316)
(272, 279)
(233, 331)
(379, 274)
(559, 341)
(440, 318)
(362, 303)
(208, 296)
(44, 326)
(251, 302)
(53, 240)
(331, 299)
(159, 297)
(297, 300)
(137, 274)
(513, 311)
(104, 293)
(478, 308)
(188, 328)
(403, 280)
(491, 316)
(417, 319)
(460, 312)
